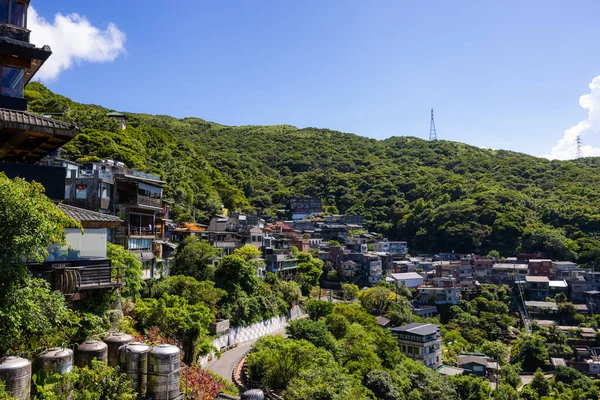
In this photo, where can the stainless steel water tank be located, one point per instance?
(89, 350)
(16, 374)
(163, 372)
(114, 341)
(253, 394)
(57, 360)
(133, 360)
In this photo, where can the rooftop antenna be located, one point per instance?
(432, 133)
(579, 147)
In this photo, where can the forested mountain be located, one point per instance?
(439, 196)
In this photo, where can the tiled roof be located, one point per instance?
(23, 119)
(90, 219)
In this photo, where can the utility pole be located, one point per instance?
(432, 132)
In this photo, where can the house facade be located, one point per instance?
(422, 342)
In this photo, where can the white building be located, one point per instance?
(410, 279)
(439, 295)
(421, 342)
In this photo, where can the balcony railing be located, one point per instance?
(72, 278)
(139, 199)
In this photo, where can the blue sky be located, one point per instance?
(499, 74)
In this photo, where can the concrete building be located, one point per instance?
(434, 295)
(540, 267)
(422, 342)
(537, 287)
(410, 279)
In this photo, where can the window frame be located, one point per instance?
(2, 66)
(9, 15)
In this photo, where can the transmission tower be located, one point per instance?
(579, 147)
(432, 133)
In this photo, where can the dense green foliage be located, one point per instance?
(438, 195)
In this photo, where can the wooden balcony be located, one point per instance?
(132, 199)
(81, 275)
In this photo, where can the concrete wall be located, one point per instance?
(244, 334)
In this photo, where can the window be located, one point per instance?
(13, 12)
(3, 11)
(12, 82)
(17, 13)
(81, 192)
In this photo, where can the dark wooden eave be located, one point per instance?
(90, 219)
(27, 137)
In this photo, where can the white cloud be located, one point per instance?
(73, 39)
(566, 148)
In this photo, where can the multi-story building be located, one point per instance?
(138, 202)
(540, 267)
(422, 342)
(24, 137)
(395, 248)
(482, 267)
(564, 269)
(435, 295)
(508, 273)
(537, 287)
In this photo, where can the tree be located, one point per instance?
(133, 268)
(100, 382)
(275, 361)
(377, 299)
(350, 291)
(318, 308)
(31, 223)
(333, 243)
(470, 387)
(190, 289)
(540, 384)
(531, 351)
(510, 375)
(313, 331)
(381, 384)
(194, 258)
(248, 252)
(234, 272)
(496, 349)
(310, 270)
(33, 316)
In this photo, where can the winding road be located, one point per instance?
(224, 365)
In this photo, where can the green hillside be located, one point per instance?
(440, 196)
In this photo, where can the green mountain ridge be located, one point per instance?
(439, 196)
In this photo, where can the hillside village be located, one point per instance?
(112, 288)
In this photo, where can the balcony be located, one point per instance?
(133, 230)
(139, 200)
(81, 275)
(225, 245)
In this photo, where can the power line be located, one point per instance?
(432, 132)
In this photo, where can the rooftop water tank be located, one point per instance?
(89, 350)
(57, 360)
(114, 341)
(163, 372)
(133, 360)
(16, 374)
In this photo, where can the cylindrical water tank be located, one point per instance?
(57, 360)
(16, 374)
(253, 394)
(163, 372)
(114, 341)
(133, 360)
(89, 350)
